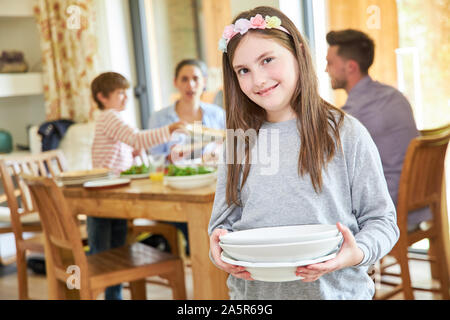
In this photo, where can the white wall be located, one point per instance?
(116, 53)
(21, 33)
(160, 52)
(321, 47)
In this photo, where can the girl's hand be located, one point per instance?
(216, 250)
(349, 255)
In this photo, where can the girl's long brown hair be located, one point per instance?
(318, 121)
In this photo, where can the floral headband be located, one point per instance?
(243, 25)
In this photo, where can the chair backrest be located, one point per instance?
(422, 176)
(60, 228)
(435, 131)
(20, 203)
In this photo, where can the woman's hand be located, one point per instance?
(179, 126)
(216, 250)
(349, 255)
(137, 153)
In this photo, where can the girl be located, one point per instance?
(328, 170)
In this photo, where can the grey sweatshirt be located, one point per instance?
(354, 193)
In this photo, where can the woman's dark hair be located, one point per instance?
(192, 62)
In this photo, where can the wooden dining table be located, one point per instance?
(144, 198)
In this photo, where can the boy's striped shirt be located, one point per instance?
(115, 140)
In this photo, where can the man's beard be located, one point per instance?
(339, 83)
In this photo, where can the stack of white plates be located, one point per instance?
(75, 178)
(272, 254)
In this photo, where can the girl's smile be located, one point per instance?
(267, 91)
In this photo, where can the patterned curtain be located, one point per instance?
(69, 57)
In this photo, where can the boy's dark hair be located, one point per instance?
(106, 83)
(355, 45)
(192, 62)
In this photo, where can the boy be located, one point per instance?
(114, 146)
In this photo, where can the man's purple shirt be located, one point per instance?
(388, 116)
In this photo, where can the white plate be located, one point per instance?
(79, 182)
(97, 184)
(226, 258)
(189, 182)
(282, 252)
(205, 132)
(276, 271)
(283, 234)
(136, 176)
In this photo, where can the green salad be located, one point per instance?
(173, 170)
(136, 170)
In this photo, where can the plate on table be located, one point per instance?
(275, 271)
(187, 177)
(189, 182)
(109, 183)
(78, 174)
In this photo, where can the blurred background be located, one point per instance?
(144, 39)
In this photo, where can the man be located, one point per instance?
(382, 109)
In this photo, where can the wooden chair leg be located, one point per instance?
(402, 258)
(177, 281)
(137, 289)
(22, 276)
(433, 251)
(443, 269)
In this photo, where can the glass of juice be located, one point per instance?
(158, 164)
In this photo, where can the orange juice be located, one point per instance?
(157, 176)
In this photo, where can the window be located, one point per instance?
(423, 59)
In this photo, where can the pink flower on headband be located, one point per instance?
(258, 22)
(242, 26)
(229, 32)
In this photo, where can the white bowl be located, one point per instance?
(274, 272)
(282, 234)
(189, 182)
(282, 252)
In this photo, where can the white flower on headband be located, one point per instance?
(223, 45)
(243, 25)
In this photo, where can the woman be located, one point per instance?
(190, 80)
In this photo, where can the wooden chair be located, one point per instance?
(421, 184)
(22, 215)
(435, 131)
(130, 263)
